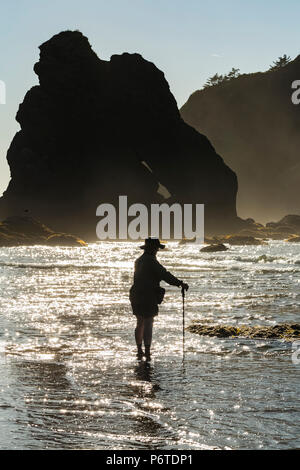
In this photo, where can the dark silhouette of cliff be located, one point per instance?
(87, 128)
(253, 123)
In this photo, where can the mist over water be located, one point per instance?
(69, 378)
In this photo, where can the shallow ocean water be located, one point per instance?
(69, 378)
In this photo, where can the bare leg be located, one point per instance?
(139, 333)
(139, 330)
(148, 325)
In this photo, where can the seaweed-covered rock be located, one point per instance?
(282, 331)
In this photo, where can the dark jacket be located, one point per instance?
(144, 294)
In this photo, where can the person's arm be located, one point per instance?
(166, 276)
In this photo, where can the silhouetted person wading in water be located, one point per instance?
(146, 293)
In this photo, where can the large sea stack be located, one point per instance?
(87, 131)
(254, 124)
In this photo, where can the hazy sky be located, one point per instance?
(189, 40)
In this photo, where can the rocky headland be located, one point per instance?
(252, 121)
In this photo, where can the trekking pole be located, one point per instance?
(183, 337)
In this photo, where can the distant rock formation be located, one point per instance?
(293, 239)
(90, 132)
(241, 240)
(253, 123)
(253, 233)
(288, 223)
(20, 231)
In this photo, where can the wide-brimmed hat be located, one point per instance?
(152, 243)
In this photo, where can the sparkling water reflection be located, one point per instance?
(69, 378)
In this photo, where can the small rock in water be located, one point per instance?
(213, 248)
(184, 241)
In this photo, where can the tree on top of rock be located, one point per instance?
(234, 73)
(217, 79)
(214, 80)
(280, 62)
